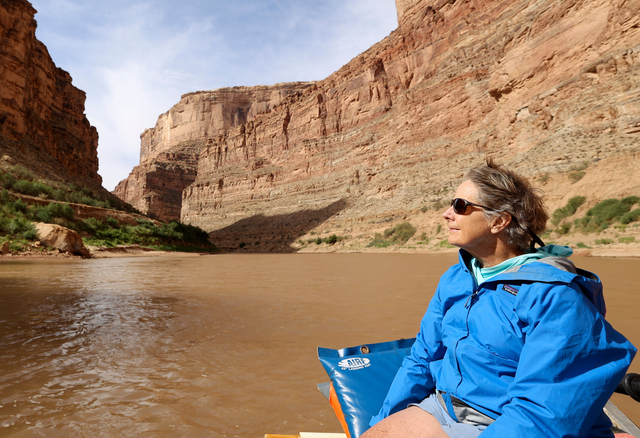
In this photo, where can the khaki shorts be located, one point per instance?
(451, 427)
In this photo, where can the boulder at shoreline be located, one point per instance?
(61, 238)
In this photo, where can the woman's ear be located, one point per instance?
(500, 222)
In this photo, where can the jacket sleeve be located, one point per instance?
(570, 364)
(414, 381)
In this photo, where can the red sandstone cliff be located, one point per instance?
(542, 86)
(42, 122)
(169, 152)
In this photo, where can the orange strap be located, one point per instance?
(335, 404)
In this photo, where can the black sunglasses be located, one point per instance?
(460, 205)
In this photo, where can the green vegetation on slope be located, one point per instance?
(20, 180)
(398, 235)
(601, 216)
(17, 217)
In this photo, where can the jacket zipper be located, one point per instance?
(467, 305)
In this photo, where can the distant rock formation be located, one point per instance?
(42, 122)
(169, 152)
(542, 86)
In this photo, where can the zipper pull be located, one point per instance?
(471, 298)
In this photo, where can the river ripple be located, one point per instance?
(219, 345)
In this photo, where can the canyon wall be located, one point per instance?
(42, 122)
(544, 87)
(169, 151)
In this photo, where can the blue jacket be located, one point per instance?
(529, 347)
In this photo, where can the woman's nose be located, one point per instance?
(448, 214)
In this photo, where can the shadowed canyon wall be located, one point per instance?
(542, 86)
(42, 122)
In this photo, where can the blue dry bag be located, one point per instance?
(361, 377)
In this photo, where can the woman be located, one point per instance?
(514, 342)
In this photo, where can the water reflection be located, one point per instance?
(80, 349)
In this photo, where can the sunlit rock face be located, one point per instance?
(540, 86)
(42, 120)
(169, 152)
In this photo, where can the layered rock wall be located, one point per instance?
(42, 120)
(169, 151)
(208, 114)
(542, 86)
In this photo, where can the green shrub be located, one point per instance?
(604, 241)
(379, 241)
(630, 200)
(16, 246)
(403, 233)
(609, 209)
(29, 233)
(631, 216)
(53, 210)
(17, 227)
(568, 210)
(19, 205)
(113, 222)
(576, 176)
(43, 215)
(328, 240)
(5, 197)
(7, 180)
(626, 239)
(40, 189)
(91, 225)
(400, 234)
(582, 245)
(603, 214)
(397, 235)
(22, 172)
(23, 186)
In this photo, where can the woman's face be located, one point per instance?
(471, 230)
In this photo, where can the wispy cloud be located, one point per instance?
(134, 58)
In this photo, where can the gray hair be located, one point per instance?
(505, 191)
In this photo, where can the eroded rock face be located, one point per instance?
(541, 87)
(169, 152)
(61, 238)
(42, 120)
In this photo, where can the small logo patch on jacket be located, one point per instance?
(512, 290)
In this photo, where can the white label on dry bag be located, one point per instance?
(354, 363)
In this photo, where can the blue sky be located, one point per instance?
(135, 58)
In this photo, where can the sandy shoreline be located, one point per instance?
(100, 253)
(138, 251)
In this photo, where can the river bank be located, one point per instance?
(98, 253)
(613, 250)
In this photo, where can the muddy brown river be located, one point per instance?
(217, 345)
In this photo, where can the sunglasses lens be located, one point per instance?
(459, 205)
